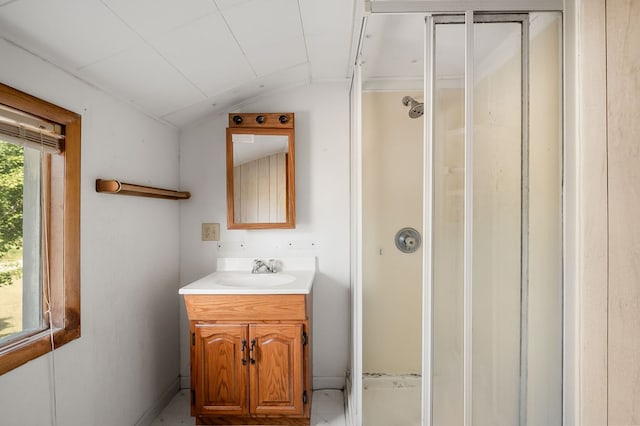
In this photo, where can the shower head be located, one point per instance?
(416, 109)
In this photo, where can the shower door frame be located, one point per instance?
(466, 10)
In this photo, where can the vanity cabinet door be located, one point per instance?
(220, 369)
(276, 377)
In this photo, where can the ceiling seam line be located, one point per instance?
(304, 40)
(144, 40)
(244, 54)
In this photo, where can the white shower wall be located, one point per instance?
(392, 200)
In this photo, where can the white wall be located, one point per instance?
(322, 214)
(127, 360)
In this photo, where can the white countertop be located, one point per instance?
(233, 276)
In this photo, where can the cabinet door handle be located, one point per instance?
(253, 345)
(244, 345)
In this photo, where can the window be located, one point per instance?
(20, 240)
(39, 227)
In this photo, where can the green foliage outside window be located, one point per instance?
(11, 193)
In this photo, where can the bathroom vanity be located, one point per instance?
(250, 344)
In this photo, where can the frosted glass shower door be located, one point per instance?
(499, 222)
(448, 225)
(496, 277)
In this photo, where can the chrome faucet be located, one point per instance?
(269, 266)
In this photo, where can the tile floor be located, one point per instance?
(327, 409)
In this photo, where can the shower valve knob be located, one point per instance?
(408, 240)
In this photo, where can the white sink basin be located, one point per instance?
(244, 279)
(294, 276)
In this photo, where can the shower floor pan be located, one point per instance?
(391, 400)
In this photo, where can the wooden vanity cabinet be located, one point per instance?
(250, 371)
(218, 369)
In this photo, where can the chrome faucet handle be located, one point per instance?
(270, 266)
(257, 264)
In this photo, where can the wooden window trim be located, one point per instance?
(63, 201)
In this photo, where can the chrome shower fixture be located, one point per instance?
(416, 109)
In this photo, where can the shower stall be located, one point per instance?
(457, 171)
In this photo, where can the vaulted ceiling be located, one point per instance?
(179, 60)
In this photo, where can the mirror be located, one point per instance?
(260, 171)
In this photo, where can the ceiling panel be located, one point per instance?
(233, 99)
(326, 17)
(270, 33)
(153, 17)
(206, 53)
(143, 77)
(179, 60)
(270, 59)
(328, 37)
(225, 4)
(329, 55)
(73, 33)
(284, 78)
(393, 47)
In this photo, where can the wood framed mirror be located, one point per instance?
(261, 171)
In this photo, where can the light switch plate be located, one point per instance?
(210, 232)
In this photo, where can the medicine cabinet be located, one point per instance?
(261, 171)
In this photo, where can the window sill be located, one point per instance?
(21, 351)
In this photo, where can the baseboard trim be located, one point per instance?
(185, 382)
(328, 383)
(163, 400)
